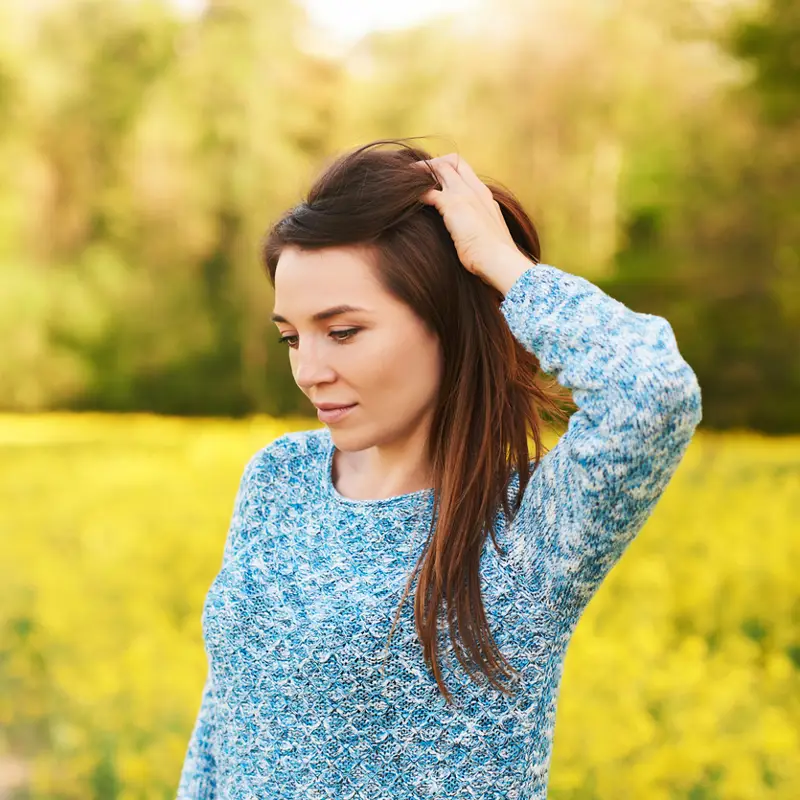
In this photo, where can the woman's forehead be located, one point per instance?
(308, 283)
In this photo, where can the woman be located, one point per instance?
(419, 320)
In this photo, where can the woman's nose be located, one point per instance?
(310, 368)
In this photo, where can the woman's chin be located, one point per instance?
(350, 441)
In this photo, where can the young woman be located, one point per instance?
(419, 322)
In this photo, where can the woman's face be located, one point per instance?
(378, 356)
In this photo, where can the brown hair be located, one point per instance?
(490, 395)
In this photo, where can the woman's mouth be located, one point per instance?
(330, 415)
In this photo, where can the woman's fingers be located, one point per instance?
(455, 174)
(472, 217)
(462, 167)
(452, 179)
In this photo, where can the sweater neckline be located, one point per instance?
(333, 492)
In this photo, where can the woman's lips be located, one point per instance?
(334, 414)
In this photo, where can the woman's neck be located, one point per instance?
(383, 471)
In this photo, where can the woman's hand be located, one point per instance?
(473, 217)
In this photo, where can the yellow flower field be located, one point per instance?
(682, 680)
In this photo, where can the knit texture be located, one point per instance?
(303, 700)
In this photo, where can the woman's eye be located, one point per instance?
(286, 340)
(342, 336)
(339, 336)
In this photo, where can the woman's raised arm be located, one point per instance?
(638, 402)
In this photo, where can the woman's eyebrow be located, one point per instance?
(326, 314)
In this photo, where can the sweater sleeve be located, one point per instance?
(198, 780)
(638, 404)
(198, 777)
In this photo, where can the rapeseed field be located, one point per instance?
(682, 679)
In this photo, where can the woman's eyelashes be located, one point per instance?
(338, 336)
(345, 335)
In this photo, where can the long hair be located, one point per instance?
(491, 392)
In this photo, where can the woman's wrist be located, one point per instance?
(507, 270)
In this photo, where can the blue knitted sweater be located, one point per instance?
(303, 701)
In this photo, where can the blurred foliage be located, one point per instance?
(655, 144)
(682, 679)
(770, 43)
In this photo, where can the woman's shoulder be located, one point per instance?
(281, 456)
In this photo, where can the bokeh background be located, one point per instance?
(146, 145)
